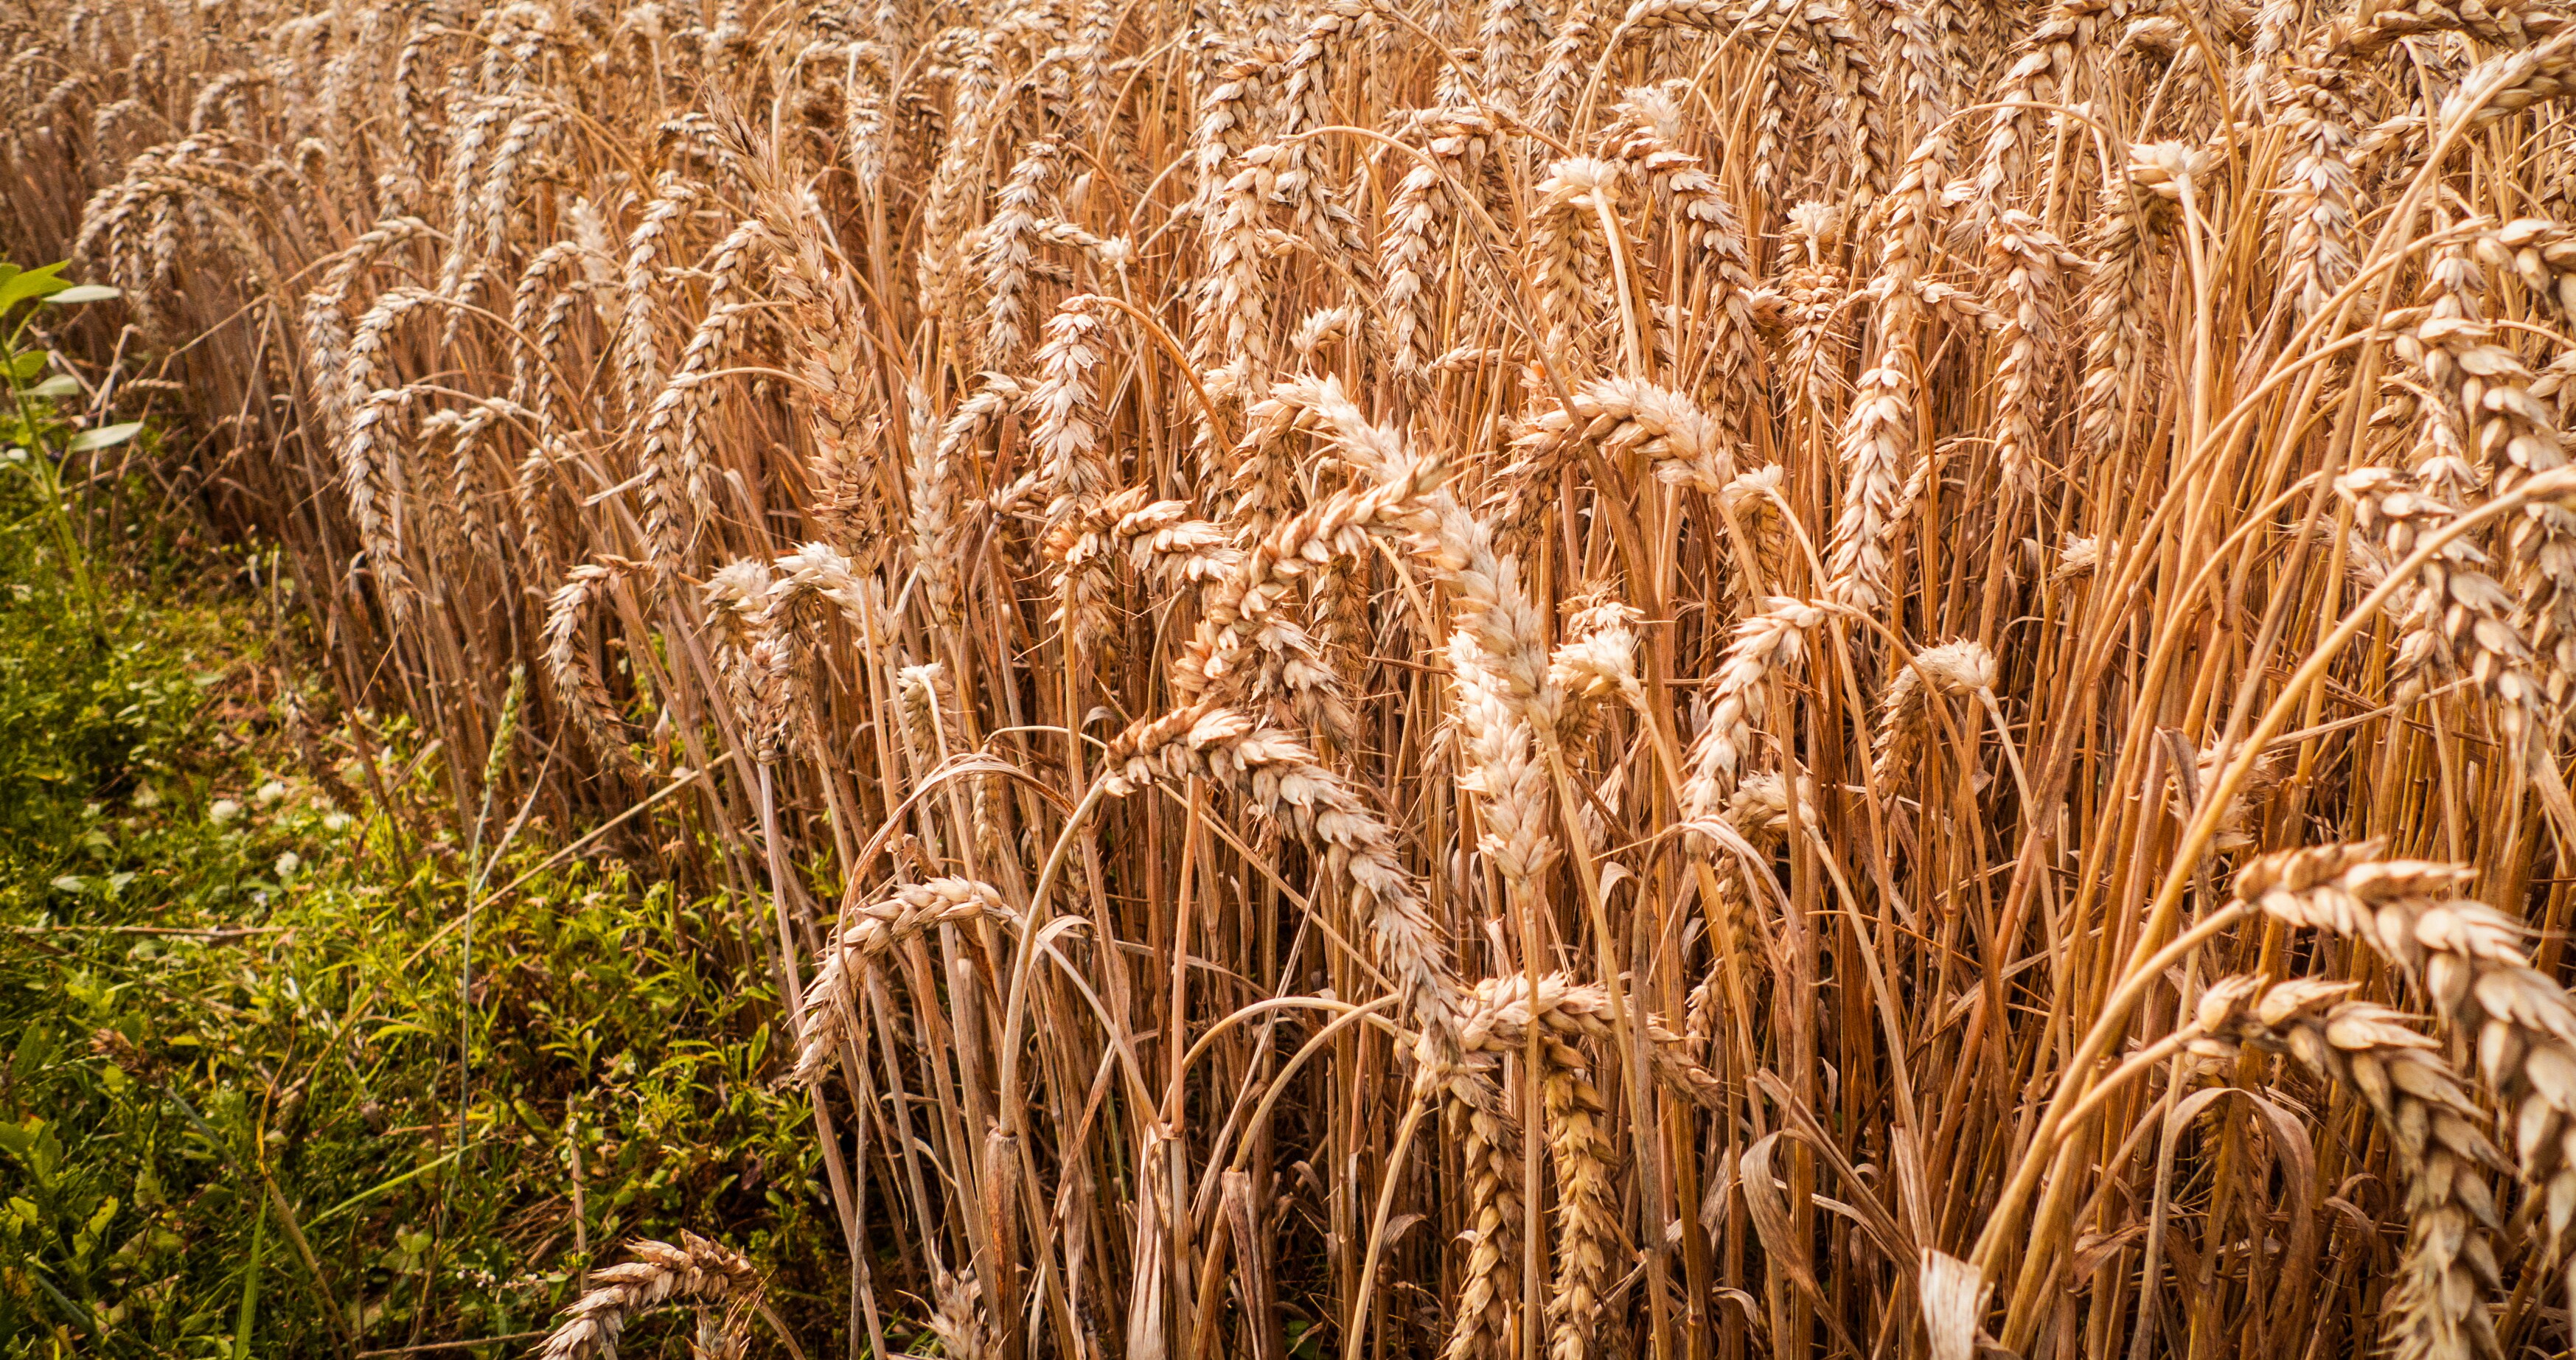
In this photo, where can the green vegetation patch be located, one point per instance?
(241, 1012)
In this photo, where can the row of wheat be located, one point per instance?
(1409, 679)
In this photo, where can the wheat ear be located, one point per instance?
(1953, 668)
(1879, 439)
(869, 933)
(2448, 1272)
(964, 1332)
(696, 1270)
(574, 670)
(1771, 642)
(2467, 957)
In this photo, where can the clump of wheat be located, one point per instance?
(1814, 524)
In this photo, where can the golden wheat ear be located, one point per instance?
(2468, 959)
(866, 935)
(959, 1320)
(2448, 1271)
(654, 1274)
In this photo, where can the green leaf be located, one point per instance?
(363, 1196)
(80, 1313)
(23, 367)
(31, 283)
(59, 385)
(247, 1317)
(83, 292)
(105, 436)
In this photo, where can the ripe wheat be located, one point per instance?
(1472, 680)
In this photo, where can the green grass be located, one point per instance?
(246, 1141)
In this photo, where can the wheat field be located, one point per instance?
(1732, 678)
